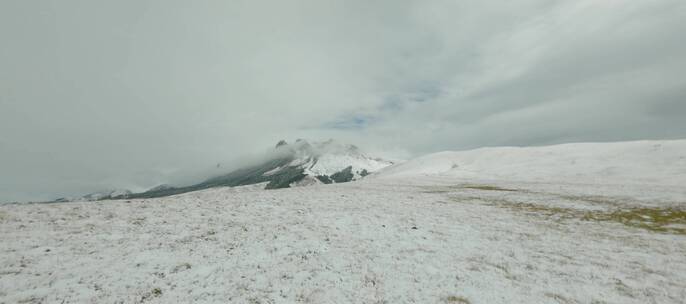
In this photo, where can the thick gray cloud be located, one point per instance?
(98, 94)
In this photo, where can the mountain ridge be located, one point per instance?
(298, 164)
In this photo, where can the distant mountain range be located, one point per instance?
(96, 196)
(298, 164)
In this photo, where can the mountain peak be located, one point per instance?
(325, 159)
(298, 164)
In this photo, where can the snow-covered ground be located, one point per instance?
(408, 235)
(637, 162)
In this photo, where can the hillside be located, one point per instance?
(372, 241)
(652, 162)
(425, 231)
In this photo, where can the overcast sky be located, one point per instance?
(133, 93)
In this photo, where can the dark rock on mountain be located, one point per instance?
(343, 176)
(297, 164)
(324, 179)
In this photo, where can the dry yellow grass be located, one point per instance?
(457, 299)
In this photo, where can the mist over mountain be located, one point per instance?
(527, 151)
(132, 94)
(300, 163)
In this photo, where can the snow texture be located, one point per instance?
(420, 232)
(655, 162)
(330, 157)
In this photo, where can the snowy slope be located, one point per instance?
(505, 225)
(373, 241)
(654, 162)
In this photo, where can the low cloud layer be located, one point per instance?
(136, 93)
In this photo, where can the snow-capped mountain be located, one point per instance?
(298, 164)
(328, 161)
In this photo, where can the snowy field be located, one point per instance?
(419, 232)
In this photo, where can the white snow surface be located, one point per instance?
(331, 163)
(329, 157)
(654, 162)
(425, 237)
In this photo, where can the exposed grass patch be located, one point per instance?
(485, 187)
(669, 220)
(457, 299)
(656, 219)
(154, 293)
(547, 211)
(558, 298)
(436, 191)
(448, 189)
(598, 200)
(181, 267)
